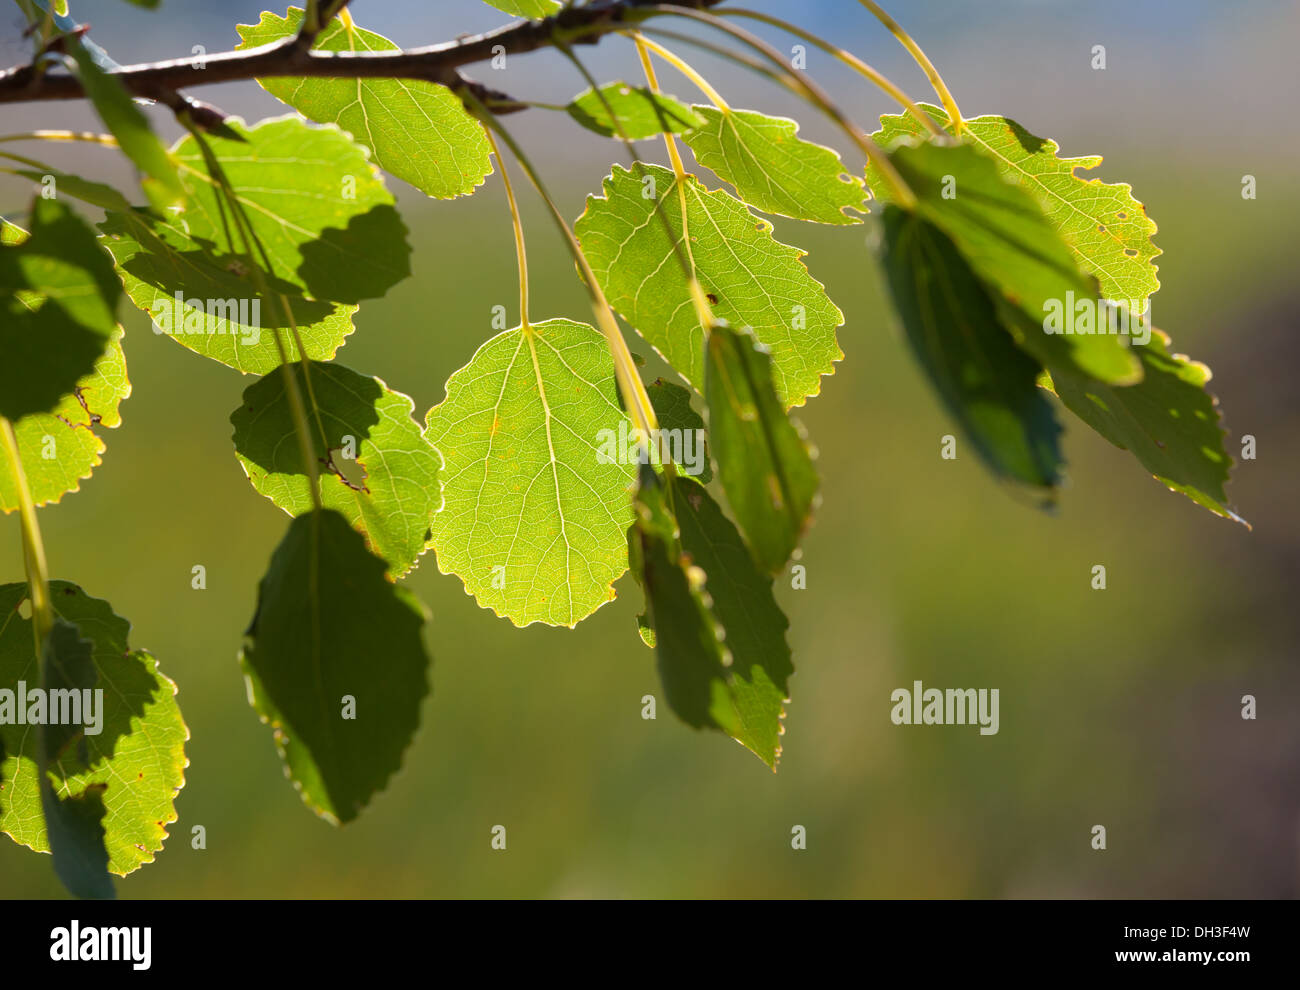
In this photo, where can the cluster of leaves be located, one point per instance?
(504, 479)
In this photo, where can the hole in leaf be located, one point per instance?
(352, 473)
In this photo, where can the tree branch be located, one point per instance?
(432, 63)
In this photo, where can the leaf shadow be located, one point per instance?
(125, 677)
(360, 261)
(206, 271)
(333, 432)
(1031, 143)
(27, 341)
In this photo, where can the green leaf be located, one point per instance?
(1169, 421)
(688, 640)
(74, 825)
(58, 298)
(742, 602)
(765, 466)
(638, 112)
(127, 122)
(718, 633)
(536, 489)
(752, 279)
(60, 449)
(393, 492)
(325, 219)
(1001, 231)
(417, 131)
(684, 427)
(987, 383)
(136, 763)
(330, 627)
(774, 170)
(217, 313)
(1107, 229)
(531, 9)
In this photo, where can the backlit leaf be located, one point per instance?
(1106, 228)
(763, 461)
(1001, 231)
(320, 210)
(751, 279)
(388, 491)
(417, 131)
(638, 112)
(536, 484)
(773, 169)
(60, 449)
(136, 764)
(331, 627)
(58, 299)
(987, 383)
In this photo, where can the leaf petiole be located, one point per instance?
(89, 136)
(684, 68)
(520, 250)
(644, 46)
(249, 238)
(808, 90)
(848, 58)
(629, 380)
(931, 73)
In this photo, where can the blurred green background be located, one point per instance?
(1119, 707)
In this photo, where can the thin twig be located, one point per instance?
(287, 57)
